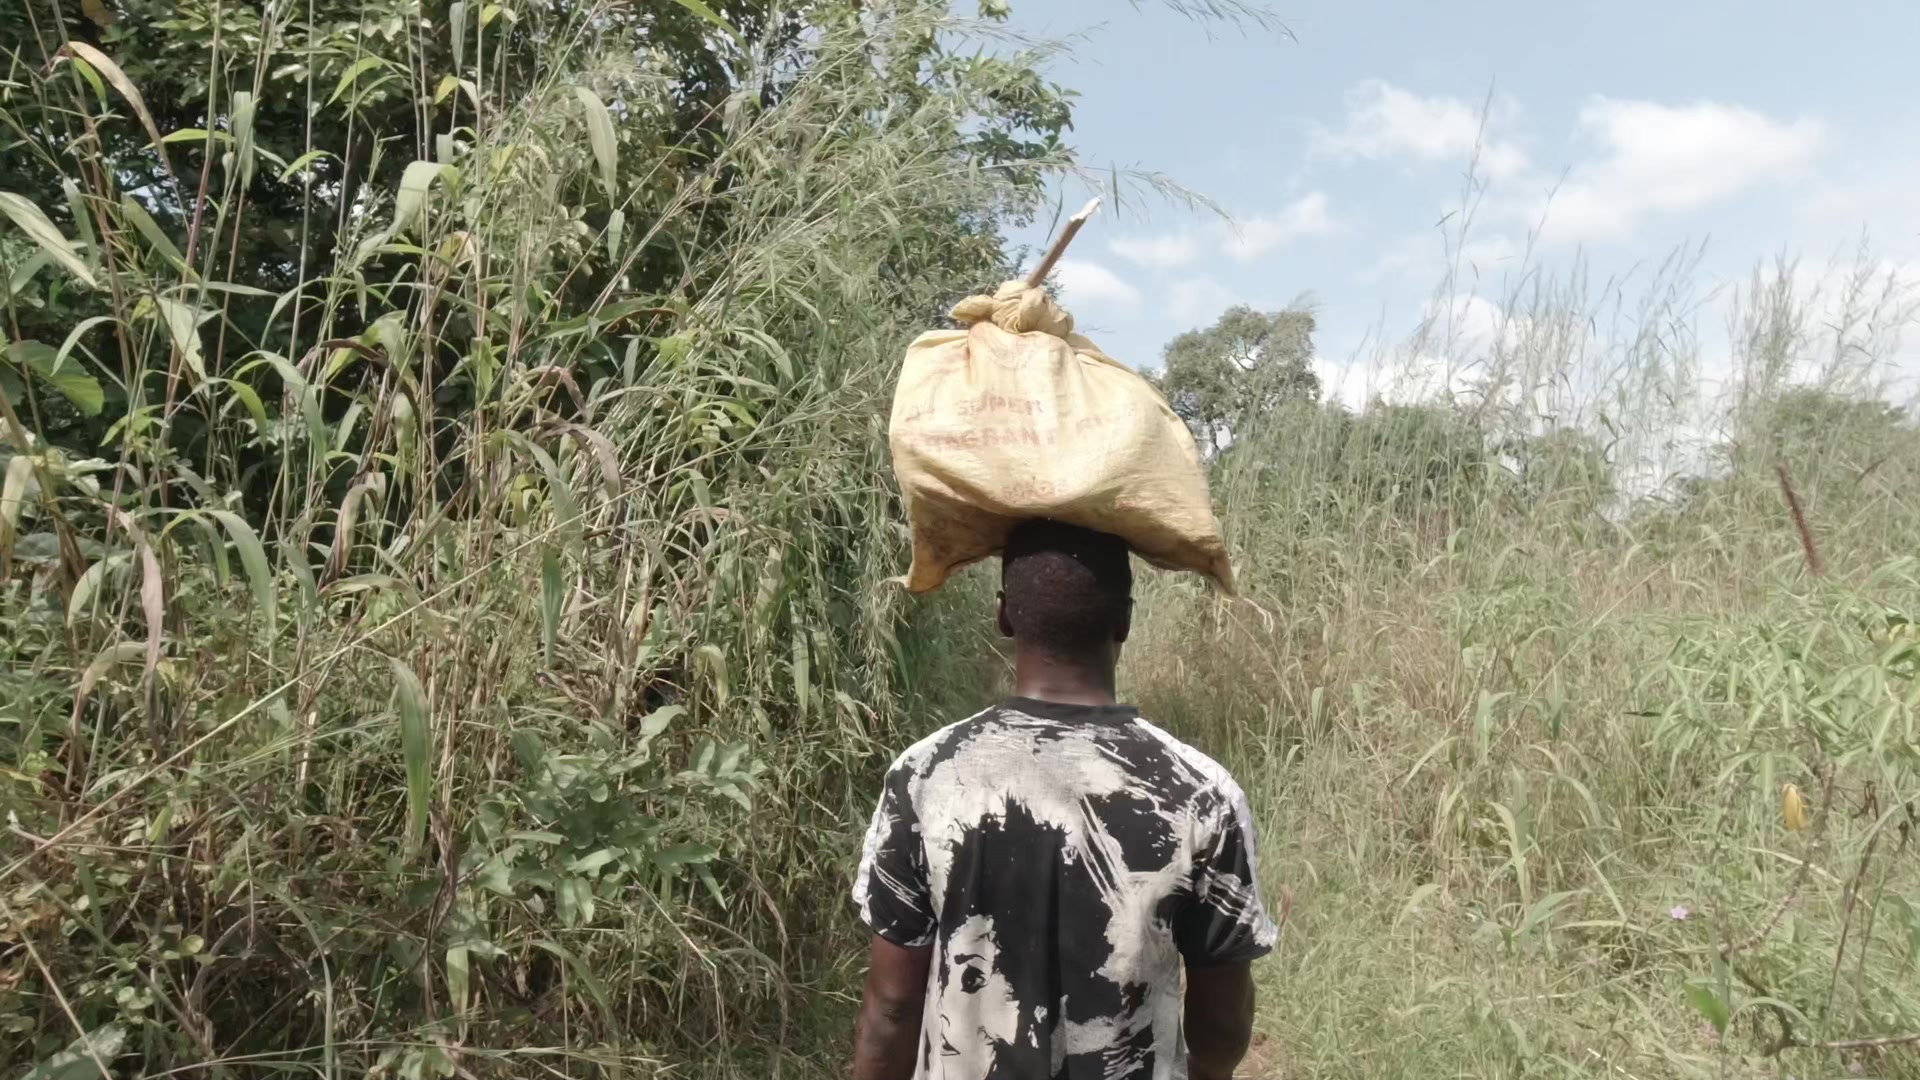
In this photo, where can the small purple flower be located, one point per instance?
(1679, 912)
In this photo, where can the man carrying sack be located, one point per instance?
(1038, 878)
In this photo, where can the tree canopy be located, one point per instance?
(1246, 364)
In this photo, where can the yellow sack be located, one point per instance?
(1019, 417)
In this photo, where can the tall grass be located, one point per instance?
(449, 635)
(1534, 647)
(488, 679)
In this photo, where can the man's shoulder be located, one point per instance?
(1207, 775)
(937, 744)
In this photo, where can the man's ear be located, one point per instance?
(1126, 624)
(1000, 617)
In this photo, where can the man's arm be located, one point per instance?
(1219, 1019)
(888, 1034)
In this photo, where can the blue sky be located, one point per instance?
(1758, 127)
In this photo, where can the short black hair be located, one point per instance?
(1068, 589)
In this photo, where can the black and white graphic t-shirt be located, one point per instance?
(1063, 861)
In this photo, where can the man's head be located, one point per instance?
(1065, 591)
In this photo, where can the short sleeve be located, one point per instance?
(891, 890)
(1224, 921)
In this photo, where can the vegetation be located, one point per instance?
(444, 563)
(1247, 364)
(1586, 748)
(444, 541)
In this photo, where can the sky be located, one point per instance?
(1614, 133)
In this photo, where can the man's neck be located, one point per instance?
(1045, 677)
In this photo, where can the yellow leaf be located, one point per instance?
(1793, 808)
(100, 62)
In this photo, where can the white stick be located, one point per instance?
(1060, 243)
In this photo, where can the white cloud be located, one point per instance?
(1261, 233)
(1170, 251)
(1088, 283)
(1474, 321)
(1384, 121)
(1666, 159)
(1879, 200)
(1199, 300)
(1430, 256)
(1245, 240)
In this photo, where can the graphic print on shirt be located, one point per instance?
(1063, 861)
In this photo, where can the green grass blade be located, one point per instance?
(600, 135)
(552, 595)
(416, 746)
(253, 557)
(29, 219)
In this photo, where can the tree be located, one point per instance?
(335, 100)
(1242, 367)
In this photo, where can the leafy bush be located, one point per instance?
(445, 558)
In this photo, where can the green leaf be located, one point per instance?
(587, 864)
(600, 135)
(300, 163)
(713, 884)
(114, 655)
(595, 988)
(1709, 1005)
(416, 745)
(254, 557)
(241, 125)
(249, 398)
(183, 326)
(776, 352)
(704, 12)
(657, 720)
(711, 660)
(495, 877)
(802, 673)
(230, 289)
(415, 183)
(457, 24)
(1484, 723)
(195, 135)
(73, 338)
(29, 219)
(143, 222)
(19, 485)
(216, 547)
(77, 206)
(78, 387)
(296, 385)
(81, 602)
(459, 977)
(552, 594)
(1414, 902)
(93, 81)
(566, 506)
(84, 1057)
(616, 225)
(24, 273)
(359, 67)
(1542, 911)
(529, 749)
(684, 855)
